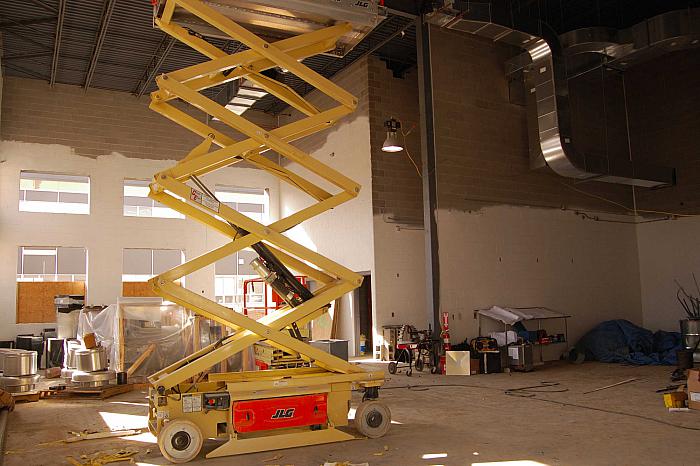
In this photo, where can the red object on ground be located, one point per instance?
(280, 413)
(445, 334)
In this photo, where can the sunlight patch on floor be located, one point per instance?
(511, 463)
(120, 421)
(131, 403)
(146, 437)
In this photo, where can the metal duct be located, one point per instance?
(550, 61)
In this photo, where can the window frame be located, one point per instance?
(140, 183)
(40, 205)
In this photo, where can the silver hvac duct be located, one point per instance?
(550, 61)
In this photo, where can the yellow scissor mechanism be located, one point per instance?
(177, 414)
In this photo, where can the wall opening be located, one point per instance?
(44, 272)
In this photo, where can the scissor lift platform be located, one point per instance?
(260, 410)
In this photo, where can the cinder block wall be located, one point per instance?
(503, 236)
(664, 106)
(97, 122)
(510, 235)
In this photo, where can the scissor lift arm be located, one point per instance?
(297, 407)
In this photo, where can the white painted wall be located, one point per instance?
(105, 232)
(519, 256)
(399, 284)
(668, 251)
(344, 234)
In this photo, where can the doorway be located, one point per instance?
(363, 319)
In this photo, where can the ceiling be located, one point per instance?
(112, 44)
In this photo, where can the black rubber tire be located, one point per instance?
(372, 419)
(419, 364)
(392, 367)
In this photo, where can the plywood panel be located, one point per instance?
(35, 299)
(137, 289)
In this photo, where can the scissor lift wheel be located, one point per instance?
(180, 441)
(372, 419)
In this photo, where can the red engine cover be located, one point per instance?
(278, 413)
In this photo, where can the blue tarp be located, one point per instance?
(623, 342)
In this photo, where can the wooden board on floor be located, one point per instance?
(28, 397)
(88, 392)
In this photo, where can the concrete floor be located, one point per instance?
(474, 423)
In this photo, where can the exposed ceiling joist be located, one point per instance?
(154, 66)
(99, 41)
(57, 40)
(45, 6)
(26, 39)
(27, 22)
(20, 69)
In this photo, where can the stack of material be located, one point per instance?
(19, 370)
(91, 368)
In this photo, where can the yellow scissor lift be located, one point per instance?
(258, 410)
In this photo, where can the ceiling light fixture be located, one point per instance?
(391, 143)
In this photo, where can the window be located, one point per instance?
(251, 202)
(51, 264)
(54, 193)
(140, 265)
(44, 272)
(230, 272)
(138, 204)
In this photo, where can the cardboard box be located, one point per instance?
(694, 389)
(457, 363)
(89, 340)
(474, 366)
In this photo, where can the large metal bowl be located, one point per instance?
(94, 379)
(18, 363)
(19, 384)
(91, 360)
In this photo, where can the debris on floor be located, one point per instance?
(345, 463)
(610, 386)
(85, 435)
(102, 457)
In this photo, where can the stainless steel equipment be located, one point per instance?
(20, 384)
(94, 379)
(520, 357)
(71, 347)
(18, 363)
(91, 360)
(4, 351)
(335, 347)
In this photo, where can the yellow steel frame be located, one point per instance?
(170, 188)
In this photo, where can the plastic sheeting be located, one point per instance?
(620, 341)
(164, 330)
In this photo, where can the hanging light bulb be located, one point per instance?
(391, 143)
